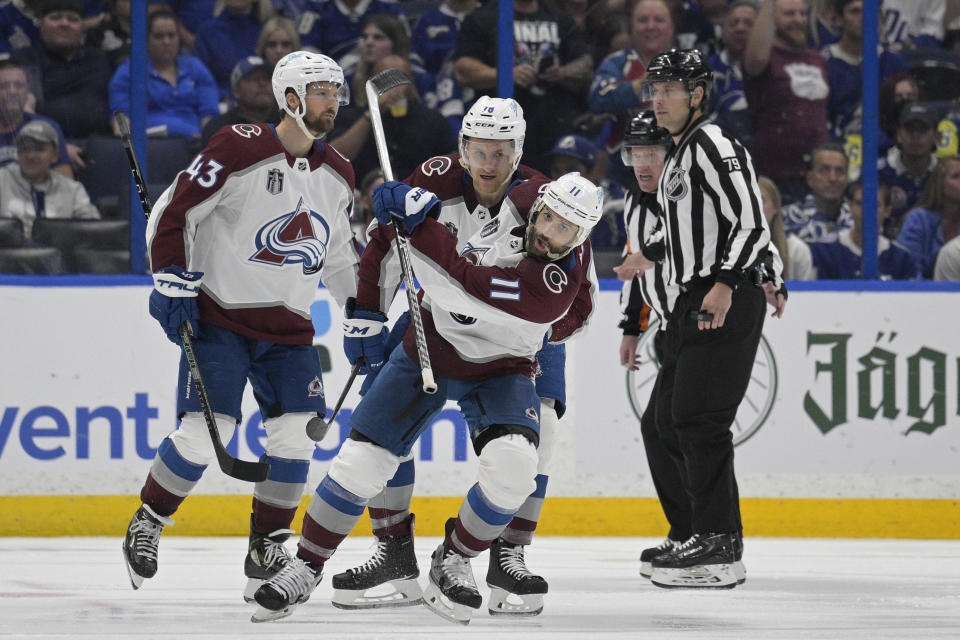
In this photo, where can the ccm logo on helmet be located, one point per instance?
(554, 278)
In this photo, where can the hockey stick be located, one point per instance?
(376, 87)
(317, 427)
(233, 467)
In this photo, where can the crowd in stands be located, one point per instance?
(787, 83)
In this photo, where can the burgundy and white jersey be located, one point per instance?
(264, 227)
(460, 212)
(487, 311)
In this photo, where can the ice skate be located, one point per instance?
(387, 579)
(451, 590)
(647, 555)
(266, 556)
(140, 545)
(514, 590)
(705, 561)
(289, 587)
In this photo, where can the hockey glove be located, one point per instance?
(173, 300)
(397, 332)
(364, 337)
(396, 201)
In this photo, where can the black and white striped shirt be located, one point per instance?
(712, 208)
(642, 221)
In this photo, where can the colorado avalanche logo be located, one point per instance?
(436, 166)
(554, 278)
(676, 186)
(294, 239)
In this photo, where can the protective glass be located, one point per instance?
(642, 155)
(339, 92)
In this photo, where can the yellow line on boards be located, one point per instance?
(204, 515)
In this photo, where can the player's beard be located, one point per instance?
(322, 124)
(538, 245)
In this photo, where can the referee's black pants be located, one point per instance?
(698, 403)
(663, 451)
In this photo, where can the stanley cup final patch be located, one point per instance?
(274, 181)
(676, 185)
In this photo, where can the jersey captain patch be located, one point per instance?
(293, 238)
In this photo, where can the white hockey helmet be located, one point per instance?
(295, 71)
(495, 119)
(575, 199)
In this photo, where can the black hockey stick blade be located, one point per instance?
(233, 467)
(388, 79)
(317, 427)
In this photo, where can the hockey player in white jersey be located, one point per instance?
(485, 315)
(473, 187)
(238, 245)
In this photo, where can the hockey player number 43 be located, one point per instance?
(204, 172)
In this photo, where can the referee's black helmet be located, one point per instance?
(682, 65)
(643, 131)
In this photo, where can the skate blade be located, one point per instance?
(708, 576)
(504, 603)
(646, 570)
(252, 585)
(444, 607)
(401, 593)
(136, 580)
(262, 614)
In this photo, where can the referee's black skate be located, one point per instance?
(451, 588)
(704, 561)
(289, 587)
(266, 555)
(514, 590)
(648, 554)
(387, 579)
(141, 542)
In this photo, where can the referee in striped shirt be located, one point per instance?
(716, 239)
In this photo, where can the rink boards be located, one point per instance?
(851, 426)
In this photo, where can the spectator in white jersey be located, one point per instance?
(824, 210)
(717, 242)
(238, 245)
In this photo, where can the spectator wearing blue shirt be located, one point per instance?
(824, 211)
(843, 260)
(229, 36)
(435, 34)
(19, 25)
(334, 27)
(844, 64)
(936, 220)
(907, 166)
(181, 93)
(728, 102)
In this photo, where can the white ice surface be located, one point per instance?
(796, 588)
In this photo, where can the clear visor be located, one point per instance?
(642, 156)
(663, 90)
(488, 154)
(325, 89)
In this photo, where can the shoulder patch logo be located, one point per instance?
(246, 130)
(676, 185)
(554, 278)
(274, 181)
(436, 166)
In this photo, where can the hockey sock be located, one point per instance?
(520, 529)
(275, 500)
(390, 508)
